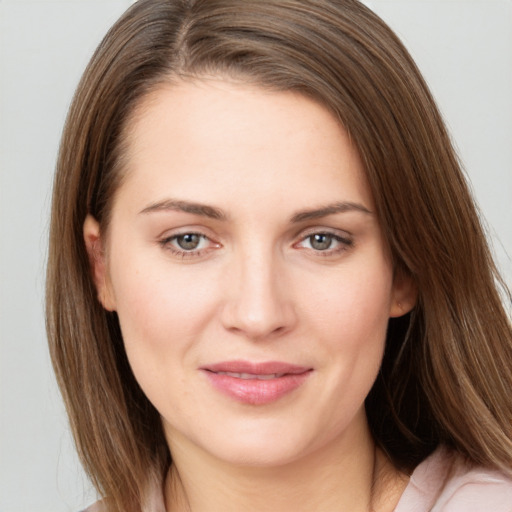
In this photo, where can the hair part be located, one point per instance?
(446, 374)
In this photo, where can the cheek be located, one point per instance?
(162, 315)
(352, 322)
(356, 308)
(153, 301)
(160, 325)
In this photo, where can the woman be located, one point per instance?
(268, 287)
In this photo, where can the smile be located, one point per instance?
(247, 376)
(256, 383)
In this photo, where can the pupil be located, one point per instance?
(321, 242)
(189, 241)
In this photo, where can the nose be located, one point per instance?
(259, 303)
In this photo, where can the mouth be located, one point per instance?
(247, 376)
(256, 383)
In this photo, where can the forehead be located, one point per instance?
(196, 137)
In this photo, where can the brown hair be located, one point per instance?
(446, 375)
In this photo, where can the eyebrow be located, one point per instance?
(217, 214)
(330, 209)
(187, 207)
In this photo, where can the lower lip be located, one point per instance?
(256, 391)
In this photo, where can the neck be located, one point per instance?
(340, 477)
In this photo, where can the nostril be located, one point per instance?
(266, 324)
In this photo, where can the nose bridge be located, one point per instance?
(260, 304)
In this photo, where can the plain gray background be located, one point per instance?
(464, 48)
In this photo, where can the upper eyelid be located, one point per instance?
(342, 233)
(185, 230)
(171, 237)
(166, 235)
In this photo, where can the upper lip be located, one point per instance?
(254, 368)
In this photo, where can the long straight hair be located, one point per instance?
(446, 373)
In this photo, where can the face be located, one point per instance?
(250, 276)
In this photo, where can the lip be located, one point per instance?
(256, 383)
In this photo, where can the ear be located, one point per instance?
(405, 294)
(97, 261)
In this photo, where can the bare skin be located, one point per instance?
(214, 290)
(378, 489)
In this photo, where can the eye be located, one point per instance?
(321, 241)
(325, 242)
(187, 244)
(189, 241)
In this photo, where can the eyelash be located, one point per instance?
(345, 243)
(167, 244)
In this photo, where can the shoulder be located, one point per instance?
(99, 506)
(446, 482)
(153, 500)
(474, 489)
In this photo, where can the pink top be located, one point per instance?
(443, 482)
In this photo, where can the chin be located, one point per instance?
(260, 444)
(259, 454)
